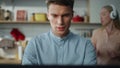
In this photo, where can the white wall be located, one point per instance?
(80, 7)
(96, 5)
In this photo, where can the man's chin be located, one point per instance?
(61, 32)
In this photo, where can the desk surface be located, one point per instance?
(10, 61)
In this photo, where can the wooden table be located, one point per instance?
(10, 61)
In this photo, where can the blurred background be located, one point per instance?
(20, 20)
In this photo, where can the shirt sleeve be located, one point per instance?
(90, 54)
(29, 57)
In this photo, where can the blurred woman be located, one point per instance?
(106, 39)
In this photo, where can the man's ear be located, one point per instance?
(72, 13)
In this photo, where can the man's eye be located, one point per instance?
(67, 15)
(54, 15)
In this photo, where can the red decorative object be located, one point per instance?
(17, 34)
(77, 18)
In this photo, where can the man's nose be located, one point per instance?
(60, 20)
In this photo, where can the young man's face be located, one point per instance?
(60, 19)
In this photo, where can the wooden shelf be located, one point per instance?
(47, 22)
(21, 22)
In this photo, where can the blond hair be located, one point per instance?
(116, 20)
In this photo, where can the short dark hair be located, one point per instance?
(61, 2)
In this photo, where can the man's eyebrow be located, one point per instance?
(53, 14)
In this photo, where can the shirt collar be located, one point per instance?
(59, 38)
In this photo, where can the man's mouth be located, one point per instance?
(61, 28)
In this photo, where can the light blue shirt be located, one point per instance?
(48, 49)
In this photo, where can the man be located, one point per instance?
(59, 46)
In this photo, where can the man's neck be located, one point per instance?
(63, 35)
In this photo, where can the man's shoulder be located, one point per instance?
(80, 38)
(41, 36)
(76, 36)
(82, 41)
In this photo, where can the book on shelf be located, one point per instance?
(21, 15)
